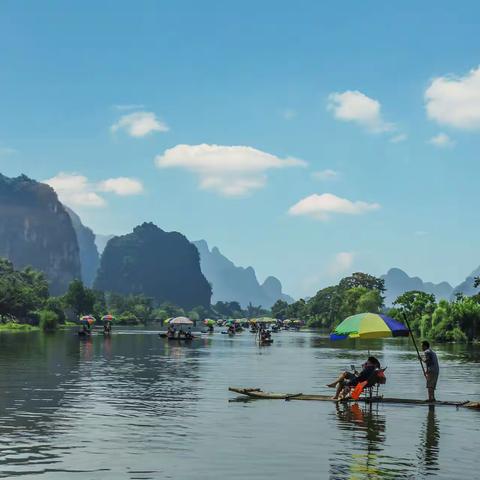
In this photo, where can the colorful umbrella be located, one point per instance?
(181, 321)
(108, 318)
(266, 320)
(209, 322)
(369, 325)
(88, 319)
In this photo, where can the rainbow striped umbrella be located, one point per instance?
(369, 325)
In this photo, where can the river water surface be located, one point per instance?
(135, 406)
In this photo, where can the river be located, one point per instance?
(135, 406)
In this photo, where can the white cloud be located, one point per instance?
(342, 263)
(75, 190)
(228, 170)
(327, 174)
(442, 140)
(122, 186)
(321, 207)
(140, 124)
(401, 137)
(455, 101)
(355, 106)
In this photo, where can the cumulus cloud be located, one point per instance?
(455, 101)
(122, 186)
(341, 263)
(322, 207)
(228, 170)
(139, 124)
(355, 106)
(75, 190)
(442, 140)
(327, 174)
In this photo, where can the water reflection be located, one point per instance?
(428, 450)
(366, 429)
(141, 390)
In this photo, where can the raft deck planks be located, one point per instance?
(260, 394)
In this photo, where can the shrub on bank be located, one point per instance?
(48, 320)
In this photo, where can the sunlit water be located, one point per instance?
(135, 406)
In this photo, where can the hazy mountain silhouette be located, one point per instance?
(36, 230)
(89, 258)
(161, 265)
(232, 283)
(466, 287)
(398, 282)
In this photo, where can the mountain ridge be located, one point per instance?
(234, 283)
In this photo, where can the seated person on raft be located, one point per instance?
(348, 380)
(265, 336)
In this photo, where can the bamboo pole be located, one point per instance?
(415, 344)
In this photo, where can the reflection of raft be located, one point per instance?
(83, 334)
(260, 394)
(267, 341)
(176, 339)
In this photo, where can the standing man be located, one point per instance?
(431, 375)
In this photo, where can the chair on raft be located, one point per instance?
(368, 387)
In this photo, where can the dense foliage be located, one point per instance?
(444, 321)
(24, 299)
(357, 293)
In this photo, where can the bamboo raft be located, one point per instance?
(257, 393)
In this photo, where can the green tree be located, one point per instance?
(279, 309)
(323, 309)
(21, 292)
(79, 298)
(365, 280)
(466, 315)
(418, 307)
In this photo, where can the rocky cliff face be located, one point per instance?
(36, 230)
(161, 265)
(232, 283)
(89, 259)
(398, 282)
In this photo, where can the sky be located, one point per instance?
(307, 139)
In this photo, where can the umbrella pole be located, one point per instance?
(414, 344)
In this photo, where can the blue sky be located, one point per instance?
(306, 139)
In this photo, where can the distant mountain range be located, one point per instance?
(466, 287)
(233, 283)
(37, 230)
(398, 282)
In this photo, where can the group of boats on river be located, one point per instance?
(183, 328)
